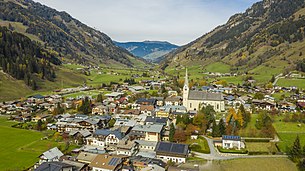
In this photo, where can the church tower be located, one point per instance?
(186, 90)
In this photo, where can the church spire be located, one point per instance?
(186, 81)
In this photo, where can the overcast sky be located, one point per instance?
(176, 21)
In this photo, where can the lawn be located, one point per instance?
(250, 130)
(20, 148)
(285, 82)
(261, 147)
(217, 67)
(278, 164)
(200, 145)
(287, 132)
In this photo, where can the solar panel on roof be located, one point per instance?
(178, 148)
(163, 146)
(113, 161)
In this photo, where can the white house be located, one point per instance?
(231, 141)
(174, 152)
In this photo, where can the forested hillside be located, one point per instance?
(72, 40)
(24, 59)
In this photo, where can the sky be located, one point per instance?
(175, 21)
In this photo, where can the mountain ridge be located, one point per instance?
(149, 50)
(249, 39)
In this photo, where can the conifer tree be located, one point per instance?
(295, 151)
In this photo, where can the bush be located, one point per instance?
(242, 151)
(257, 140)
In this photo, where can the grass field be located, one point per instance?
(261, 147)
(250, 130)
(199, 145)
(248, 164)
(287, 132)
(285, 82)
(217, 67)
(278, 164)
(20, 148)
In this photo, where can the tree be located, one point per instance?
(190, 128)
(86, 106)
(259, 96)
(39, 125)
(295, 151)
(171, 132)
(301, 165)
(215, 130)
(99, 98)
(272, 79)
(111, 122)
(222, 127)
(179, 136)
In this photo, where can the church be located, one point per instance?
(193, 99)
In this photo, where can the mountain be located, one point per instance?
(149, 50)
(268, 35)
(58, 32)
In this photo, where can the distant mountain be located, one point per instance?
(270, 34)
(58, 32)
(149, 50)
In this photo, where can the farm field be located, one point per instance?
(217, 67)
(20, 148)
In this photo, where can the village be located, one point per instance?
(125, 127)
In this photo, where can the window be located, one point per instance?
(190, 105)
(217, 106)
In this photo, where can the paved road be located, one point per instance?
(215, 155)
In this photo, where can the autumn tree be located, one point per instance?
(179, 136)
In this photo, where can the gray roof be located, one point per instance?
(54, 166)
(148, 128)
(106, 132)
(200, 95)
(53, 153)
(172, 148)
(84, 156)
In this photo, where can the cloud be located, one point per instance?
(176, 21)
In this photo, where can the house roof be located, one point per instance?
(172, 148)
(106, 161)
(132, 112)
(146, 101)
(54, 166)
(231, 137)
(77, 165)
(84, 156)
(106, 132)
(147, 107)
(156, 120)
(51, 154)
(200, 95)
(148, 128)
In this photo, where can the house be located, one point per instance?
(150, 120)
(147, 132)
(192, 100)
(127, 147)
(174, 152)
(79, 135)
(108, 136)
(162, 112)
(173, 100)
(100, 110)
(159, 101)
(144, 101)
(107, 162)
(55, 166)
(140, 163)
(42, 117)
(51, 155)
(86, 157)
(113, 96)
(146, 145)
(147, 109)
(130, 113)
(231, 141)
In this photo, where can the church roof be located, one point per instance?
(200, 95)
